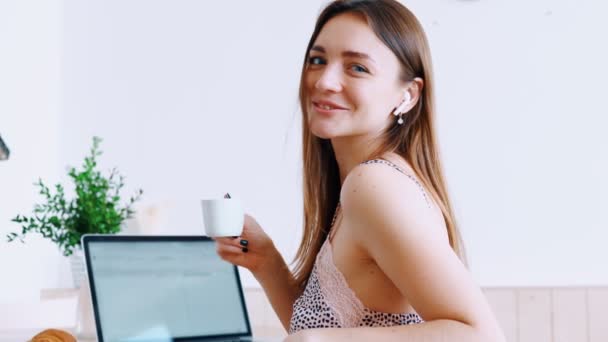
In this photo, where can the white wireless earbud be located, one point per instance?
(406, 101)
(407, 97)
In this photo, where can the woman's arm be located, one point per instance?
(390, 218)
(260, 256)
(280, 287)
(432, 331)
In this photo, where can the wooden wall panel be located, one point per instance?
(504, 305)
(534, 315)
(570, 315)
(597, 300)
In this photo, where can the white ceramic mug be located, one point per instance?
(223, 217)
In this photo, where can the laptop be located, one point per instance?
(163, 288)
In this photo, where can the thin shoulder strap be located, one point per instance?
(396, 167)
(332, 228)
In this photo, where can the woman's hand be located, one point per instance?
(252, 250)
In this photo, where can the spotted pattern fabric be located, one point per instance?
(328, 302)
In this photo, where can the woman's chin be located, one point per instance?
(323, 132)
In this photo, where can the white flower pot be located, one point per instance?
(78, 268)
(85, 326)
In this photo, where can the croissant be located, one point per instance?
(53, 335)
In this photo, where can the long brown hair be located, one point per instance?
(415, 140)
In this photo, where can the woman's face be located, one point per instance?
(351, 81)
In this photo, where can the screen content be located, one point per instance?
(154, 290)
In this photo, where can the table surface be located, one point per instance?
(25, 335)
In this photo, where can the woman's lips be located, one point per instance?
(327, 107)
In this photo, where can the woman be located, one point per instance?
(380, 251)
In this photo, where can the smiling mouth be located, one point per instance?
(326, 107)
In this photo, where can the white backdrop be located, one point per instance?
(195, 98)
(30, 98)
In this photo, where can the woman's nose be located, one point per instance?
(330, 80)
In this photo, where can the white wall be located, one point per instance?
(193, 101)
(30, 96)
(196, 99)
(522, 115)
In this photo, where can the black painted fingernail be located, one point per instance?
(245, 249)
(244, 242)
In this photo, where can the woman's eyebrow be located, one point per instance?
(347, 53)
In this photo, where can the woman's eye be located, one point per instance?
(315, 61)
(358, 68)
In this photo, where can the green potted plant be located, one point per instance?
(96, 208)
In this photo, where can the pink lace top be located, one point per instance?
(328, 301)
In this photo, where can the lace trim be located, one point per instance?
(396, 167)
(338, 295)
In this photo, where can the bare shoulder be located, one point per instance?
(380, 195)
(390, 220)
(380, 185)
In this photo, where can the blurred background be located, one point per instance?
(197, 98)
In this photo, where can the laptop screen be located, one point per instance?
(163, 289)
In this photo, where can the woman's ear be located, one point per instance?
(417, 85)
(411, 95)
